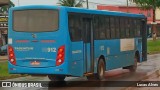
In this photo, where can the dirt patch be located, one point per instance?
(11, 77)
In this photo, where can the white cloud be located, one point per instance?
(34, 2)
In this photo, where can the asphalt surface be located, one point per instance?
(143, 71)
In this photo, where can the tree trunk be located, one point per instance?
(87, 4)
(154, 35)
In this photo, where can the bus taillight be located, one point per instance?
(11, 55)
(60, 55)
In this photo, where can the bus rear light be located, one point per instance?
(10, 49)
(11, 55)
(59, 60)
(60, 50)
(60, 55)
(12, 60)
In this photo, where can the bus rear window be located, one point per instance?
(35, 20)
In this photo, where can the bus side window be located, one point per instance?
(117, 27)
(75, 28)
(107, 27)
(141, 27)
(78, 28)
(127, 27)
(101, 25)
(135, 27)
(131, 24)
(96, 28)
(71, 27)
(138, 30)
(112, 27)
(122, 28)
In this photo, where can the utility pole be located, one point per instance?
(87, 4)
(18, 2)
(154, 22)
(127, 7)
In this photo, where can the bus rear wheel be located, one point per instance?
(133, 67)
(56, 77)
(101, 70)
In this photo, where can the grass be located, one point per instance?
(153, 47)
(4, 72)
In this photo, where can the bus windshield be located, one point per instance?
(35, 20)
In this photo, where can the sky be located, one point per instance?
(54, 2)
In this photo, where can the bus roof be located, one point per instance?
(82, 10)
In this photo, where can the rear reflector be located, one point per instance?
(47, 41)
(22, 41)
(34, 40)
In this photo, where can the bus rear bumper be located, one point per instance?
(62, 69)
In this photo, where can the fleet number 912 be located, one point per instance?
(51, 49)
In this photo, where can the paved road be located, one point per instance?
(144, 69)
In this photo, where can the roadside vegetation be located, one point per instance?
(4, 9)
(4, 72)
(71, 3)
(148, 5)
(153, 47)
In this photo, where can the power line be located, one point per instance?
(115, 3)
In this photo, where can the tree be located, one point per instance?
(71, 3)
(4, 9)
(146, 5)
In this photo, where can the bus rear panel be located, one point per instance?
(36, 41)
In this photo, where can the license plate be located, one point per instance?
(35, 63)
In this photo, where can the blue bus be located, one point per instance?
(62, 41)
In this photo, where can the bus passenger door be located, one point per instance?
(88, 45)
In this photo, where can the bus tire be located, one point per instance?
(91, 77)
(56, 77)
(133, 67)
(101, 70)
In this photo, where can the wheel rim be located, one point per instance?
(101, 73)
(135, 62)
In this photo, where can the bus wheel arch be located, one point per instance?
(132, 68)
(102, 57)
